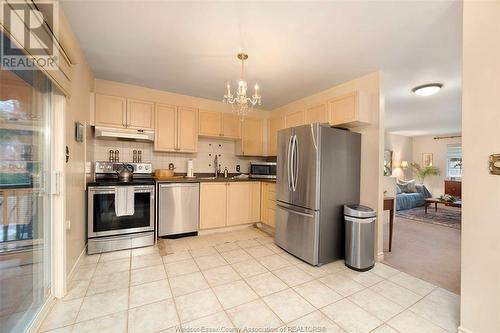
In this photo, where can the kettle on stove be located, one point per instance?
(125, 172)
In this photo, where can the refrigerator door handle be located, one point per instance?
(293, 211)
(295, 162)
(288, 164)
(314, 138)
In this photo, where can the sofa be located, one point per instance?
(411, 199)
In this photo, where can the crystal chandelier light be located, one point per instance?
(240, 103)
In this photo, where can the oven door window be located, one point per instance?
(105, 218)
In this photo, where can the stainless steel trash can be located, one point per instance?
(359, 237)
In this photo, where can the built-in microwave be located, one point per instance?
(265, 170)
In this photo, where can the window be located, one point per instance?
(454, 165)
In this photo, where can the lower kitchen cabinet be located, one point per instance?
(229, 204)
(268, 204)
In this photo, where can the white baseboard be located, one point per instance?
(380, 256)
(77, 264)
(463, 330)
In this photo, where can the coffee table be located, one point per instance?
(437, 201)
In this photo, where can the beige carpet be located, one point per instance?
(430, 252)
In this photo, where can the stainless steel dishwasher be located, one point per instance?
(178, 208)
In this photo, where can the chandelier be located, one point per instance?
(241, 104)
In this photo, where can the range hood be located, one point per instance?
(122, 133)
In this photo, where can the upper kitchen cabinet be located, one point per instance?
(316, 114)
(116, 111)
(210, 123)
(274, 125)
(349, 110)
(110, 110)
(251, 138)
(140, 114)
(295, 119)
(231, 126)
(219, 124)
(176, 129)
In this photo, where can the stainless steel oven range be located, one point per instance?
(110, 229)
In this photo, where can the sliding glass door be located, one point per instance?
(25, 196)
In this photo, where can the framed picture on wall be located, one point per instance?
(427, 159)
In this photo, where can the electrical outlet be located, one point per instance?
(68, 224)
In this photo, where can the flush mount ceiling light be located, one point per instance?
(427, 89)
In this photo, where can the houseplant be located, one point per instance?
(422, 172)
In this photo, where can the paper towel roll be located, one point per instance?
(190, 169)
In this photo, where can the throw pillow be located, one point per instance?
(398, 190)
(407, 186)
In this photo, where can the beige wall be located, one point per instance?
(372, 142)
(480, 302)
(77, 109)
(402, 150)
(439, 150)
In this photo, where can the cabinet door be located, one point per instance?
(275, 124)
(243, 203)
(213, 205)
(187, 129)
(140, 114)
(343, 109)
(263, 203)
(231, 126)
(165, 128)
(110, 111)
(251, 137)
(295, 119)
(210, 123)
(316, 114)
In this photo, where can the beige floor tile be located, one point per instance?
(275, 248)
(288, 305)
(384, 329)
(149, 293)
(85, 272)
(61, 314)
(196, 305)
(153, 317)
(103, 304)
(384, 270)
(292, 275)
(203, 251)
(235, 256)
(227, 247)
(248, 243)
(367, 279)
(210, 261)
(259, 251)
(265, 240)
(317, 320)
(147, 274)
(177, 256)
(317, 293)
(106, 282)
(440, 307)
(315, 271)
(396, 293)
(181, 267)
(108, 267)
(188, 283)
(409, 322)
(65, 329)
(254, 315)
(266, 283)
(89, 259)
(374, 303)
(220, 275)
(115, 255)
(274, 262)
(416, 285)
(210, 323)
(114, 323)
(342, 284)
(234, 294)
(351, 317)
(334, 267)
(292, 259)
(76, 289)
(146, 260)
(249, 268)
(141, 251)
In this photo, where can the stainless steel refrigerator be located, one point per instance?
(318, 170)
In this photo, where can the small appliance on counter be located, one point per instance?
(121, 207)
(263, 170)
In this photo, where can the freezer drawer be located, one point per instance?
(297, 231)
(178, 208)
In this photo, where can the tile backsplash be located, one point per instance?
(203, 160)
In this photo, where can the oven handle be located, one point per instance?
(111, 189)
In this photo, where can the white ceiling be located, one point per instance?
(295, 49)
